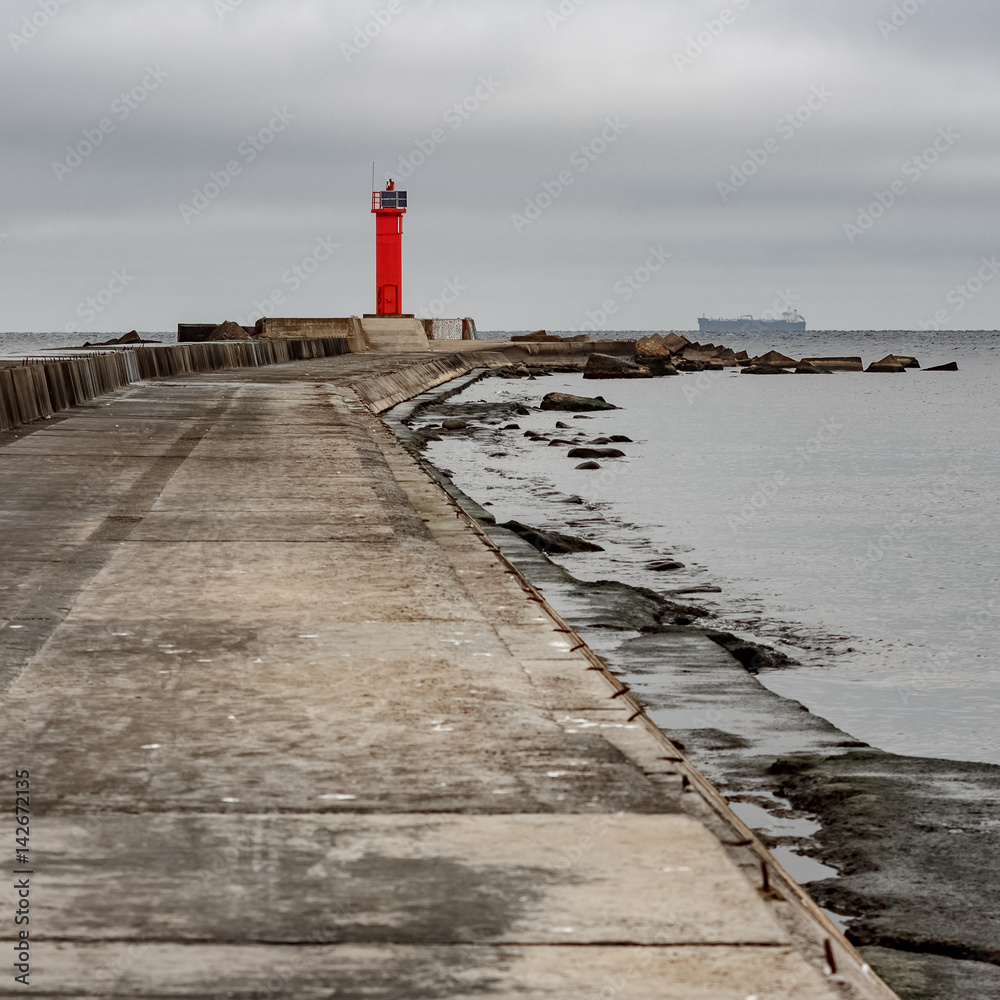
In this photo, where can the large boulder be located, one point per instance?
(651, 348)
(890, 363)
(554, 542)
(835, 364)
(675, 342)
(575, 404)
(777, 359)
(606, 366)
(907, 360)
(759, 369)
(698, 352)
(228, 331)
(660, 367)
(595, 453)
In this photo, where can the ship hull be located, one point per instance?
(746, 325)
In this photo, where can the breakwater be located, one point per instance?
(38, 388)
(244, 602)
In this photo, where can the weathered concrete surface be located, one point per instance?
(294, 725)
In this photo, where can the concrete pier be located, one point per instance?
(295, 727)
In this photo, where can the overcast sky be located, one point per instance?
(627, 164)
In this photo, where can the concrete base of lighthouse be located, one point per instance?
(394, 333)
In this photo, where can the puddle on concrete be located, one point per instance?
(804, 870)
(759, 819)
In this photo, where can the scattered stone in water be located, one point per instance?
(454, 424)
(600, 441)
(664, 565)
(558, 443)
(620, 438)
(952, 366)
(561, 426)
(554, 542)
(511, 427)
(752, 655)
(759, 369)
(595, 453)
(574, 499)
(835, 364)
(522, 411)
(567, 401)
(588, 465)
(580, 416)
(777, 359)
(890, 363)
(607, 366)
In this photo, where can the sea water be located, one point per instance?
(849, 519)
(19, 345)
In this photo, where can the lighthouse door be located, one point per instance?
(390, 299)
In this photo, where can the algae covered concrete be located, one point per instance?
(295, 727)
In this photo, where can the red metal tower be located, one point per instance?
(388, 207)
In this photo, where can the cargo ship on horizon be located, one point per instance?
(790, 322)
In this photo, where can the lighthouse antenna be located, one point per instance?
(373, 175)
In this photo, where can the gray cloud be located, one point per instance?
(700, 98)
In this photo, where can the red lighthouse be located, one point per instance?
(388, 207)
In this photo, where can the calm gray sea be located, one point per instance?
(16, 345)
(849, 518)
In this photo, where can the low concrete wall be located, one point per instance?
(382, 392)
(395, 333)
(283, 328)
(37, 389)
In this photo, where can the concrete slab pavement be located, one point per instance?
(293, 724)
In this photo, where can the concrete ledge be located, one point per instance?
(382, 392)
(35, 390)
